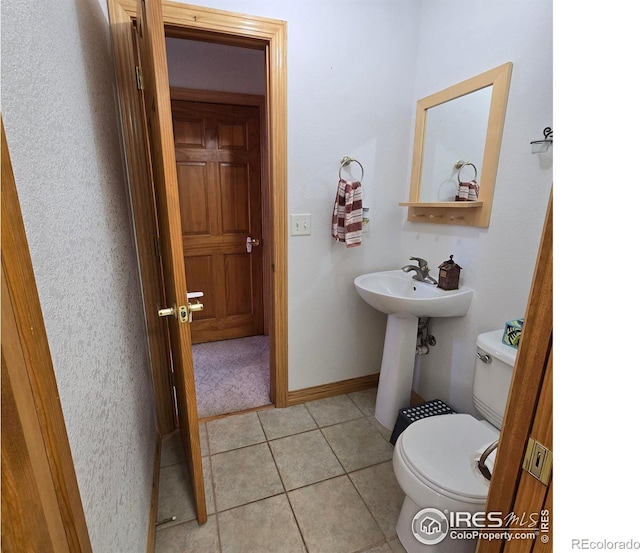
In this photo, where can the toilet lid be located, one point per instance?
(441, 450)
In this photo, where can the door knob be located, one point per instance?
(251, 242)
(192, 307)
(167, 312)
(197, 306)
(181, 313)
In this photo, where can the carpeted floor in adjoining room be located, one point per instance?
(231, 375)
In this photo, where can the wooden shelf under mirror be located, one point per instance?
(446, 144)
(446, 213)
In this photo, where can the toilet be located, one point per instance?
(435, 458)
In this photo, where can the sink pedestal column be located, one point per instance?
(396, 372)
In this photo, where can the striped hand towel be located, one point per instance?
(346, 225)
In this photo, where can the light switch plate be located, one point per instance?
(300, 224)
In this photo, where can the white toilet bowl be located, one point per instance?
(434, 465)
(435, 458)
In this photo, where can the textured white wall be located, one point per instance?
(498, 262)
(60, 116)
(356, 70)
(350, 92)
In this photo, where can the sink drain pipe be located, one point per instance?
(425, 339)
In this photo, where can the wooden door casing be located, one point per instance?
(218, 166)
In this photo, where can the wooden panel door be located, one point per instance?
(157, 107)
(218, 163)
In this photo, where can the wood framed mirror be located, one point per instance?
(461, 124)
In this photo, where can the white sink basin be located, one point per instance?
(404, 300)
(398, 293)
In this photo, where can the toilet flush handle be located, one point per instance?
(485, 358)
(482, 467)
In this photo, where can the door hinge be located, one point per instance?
(171, 379)
(538, 461)
(156, 242)
(138, 77)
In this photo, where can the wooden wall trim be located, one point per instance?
(38, 370)
(333, 389)
(342, 387)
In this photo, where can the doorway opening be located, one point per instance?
(206, 25)
(218, 110)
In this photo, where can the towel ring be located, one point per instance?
(461, 164)
(346, 160)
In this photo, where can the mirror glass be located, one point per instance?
(454, 130)
(462, 123)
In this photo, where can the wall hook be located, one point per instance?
(548, 137)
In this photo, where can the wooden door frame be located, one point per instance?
(198, 23)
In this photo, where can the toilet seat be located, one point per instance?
(439, 451)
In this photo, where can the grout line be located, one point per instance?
(276, 465)
(334, 452)
(368, 548)
(211, 418)
(218, 530)
(215, 502)
(213, 485)
(249, 503)
(236, 449)
(206, 437)
(286, 494)
(365, 502)
(294, 435)
(356, 405)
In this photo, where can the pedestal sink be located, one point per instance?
(404, 300)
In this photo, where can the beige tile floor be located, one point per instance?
(310, 478)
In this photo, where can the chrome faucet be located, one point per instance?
(422, 271)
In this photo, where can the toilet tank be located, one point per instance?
(492, 376)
